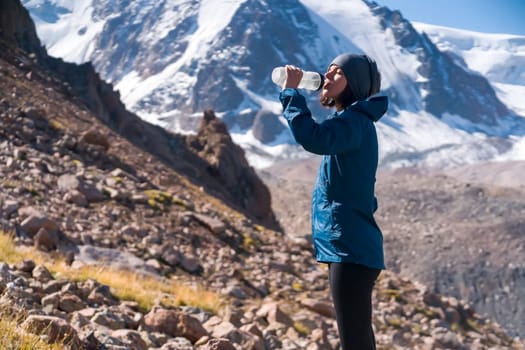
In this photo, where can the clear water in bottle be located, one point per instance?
(309, 81)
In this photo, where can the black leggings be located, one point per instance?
(351, 287)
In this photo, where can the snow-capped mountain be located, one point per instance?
(172, 59)
(498, 57)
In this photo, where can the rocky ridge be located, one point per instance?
(84, 85)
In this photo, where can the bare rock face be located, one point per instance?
(457, 92)
(16, 27)
(55, 328)
(174, 323)
(227, 163)
(266, 126)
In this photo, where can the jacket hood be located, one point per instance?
(374, 107)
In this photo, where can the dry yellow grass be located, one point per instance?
(11, 338)
(124, 284)
(9, 253)
(146, 290)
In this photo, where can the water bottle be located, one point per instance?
(310, 80)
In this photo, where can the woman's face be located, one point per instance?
(334, 83)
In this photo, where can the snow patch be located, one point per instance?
(72, 36)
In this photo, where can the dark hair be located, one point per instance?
(345, 99)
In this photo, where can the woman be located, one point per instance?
(345, 234)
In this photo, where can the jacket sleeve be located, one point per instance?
(333, 136)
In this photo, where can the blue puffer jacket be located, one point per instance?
(343, 200)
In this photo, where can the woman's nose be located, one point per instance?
(329, 74)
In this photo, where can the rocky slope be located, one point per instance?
(84, 84)
(78, 188)
(461, 238)
(502, 174)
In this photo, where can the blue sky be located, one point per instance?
(487, 16)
